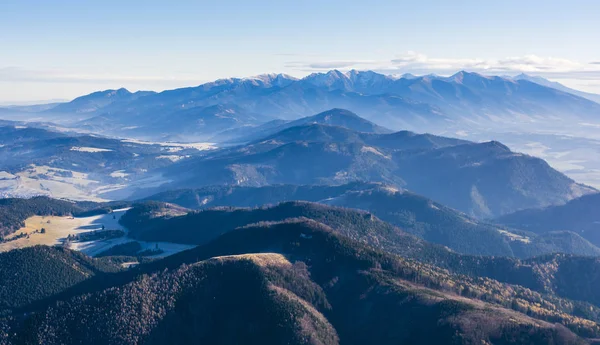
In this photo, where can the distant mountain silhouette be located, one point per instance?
(545, 82)
(415, 103)
(98, 100)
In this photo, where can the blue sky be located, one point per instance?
(62, 49)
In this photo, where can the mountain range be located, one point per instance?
(545, 82)
(480, 179)
(414, 214)
(483, 180)
(424, 103)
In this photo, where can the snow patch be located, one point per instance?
(373, 150)
(88, 149)
(515, 237)
(4, 175)
(271, 142)
(58, 228)
(203, 146)
(172, 158)
(119, 174)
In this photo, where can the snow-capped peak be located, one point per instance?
(272, 79)
(331, 79)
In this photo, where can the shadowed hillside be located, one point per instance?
(581, 216)
(324, 288)
(414, 214)
(34, 273)
(480, 179)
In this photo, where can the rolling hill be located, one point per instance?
(76, 166)
(579, 215)
(333, 117)
(440, 224)
(164, 222)
(481, 179)
(414, 214)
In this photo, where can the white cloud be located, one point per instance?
(418, 63)
(339, 64)
(23, 84)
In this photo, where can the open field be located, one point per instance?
(55, 182)
(72, 185)
(58, 228)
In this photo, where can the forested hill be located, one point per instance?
(325, 289)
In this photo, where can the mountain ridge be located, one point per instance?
(318, 154)
(430, 102)
(579, 215)
(555, 85)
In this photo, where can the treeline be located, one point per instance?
(413, 213)
(95, 235)
(131, 249)
(241, 196)
(14, 211)
(153, 221)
